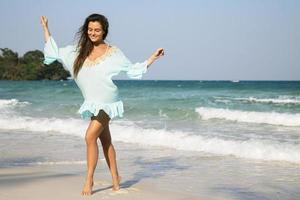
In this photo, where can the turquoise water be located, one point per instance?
(237, 125)
(184, 96)
(246, 111)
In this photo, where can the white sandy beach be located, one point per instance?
(52, 182)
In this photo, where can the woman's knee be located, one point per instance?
(93, 132)
(90, 138)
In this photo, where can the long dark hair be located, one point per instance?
(85, 45)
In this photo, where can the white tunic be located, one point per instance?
(95, 78)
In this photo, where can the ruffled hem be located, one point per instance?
(89, 109)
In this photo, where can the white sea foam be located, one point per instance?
(76, 162)
(254, 149)
(130, 133)
(273, 118)
(68, 126)
(10, 103)
(80, 162)
(226, 101)
(270, 100)
(279, 100)
(70, 162)
(51, 163)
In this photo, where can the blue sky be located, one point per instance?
(203, 40)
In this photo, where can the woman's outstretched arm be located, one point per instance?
(157, 54)
(44, 23)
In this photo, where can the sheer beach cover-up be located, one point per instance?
(95, 77)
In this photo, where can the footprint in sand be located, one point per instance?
(133, 189)
(123, 191)
(120, 191)
(103, 183)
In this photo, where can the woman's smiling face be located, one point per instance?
(95, 31)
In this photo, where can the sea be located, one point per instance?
(231, 139)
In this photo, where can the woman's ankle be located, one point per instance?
(89, 178)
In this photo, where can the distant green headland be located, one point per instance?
(29, 67)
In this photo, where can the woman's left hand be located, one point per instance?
(157, 54)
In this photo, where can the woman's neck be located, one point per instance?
(98, 43)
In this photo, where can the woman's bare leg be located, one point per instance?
(110, 157)
(93, 132)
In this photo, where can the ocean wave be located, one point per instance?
(79, 162)
(131, 133)
(68, 162)
(11, 103)
(249, 149)
(273, 118)
(68, 125)
(270, 100)
(279, 100)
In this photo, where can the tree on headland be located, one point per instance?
(29, 67)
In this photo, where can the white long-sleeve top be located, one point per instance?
(95, 77)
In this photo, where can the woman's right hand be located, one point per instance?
(44, 22)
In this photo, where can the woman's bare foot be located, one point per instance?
(87, 188)
(116, 184)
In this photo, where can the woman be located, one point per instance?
(92, 63)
